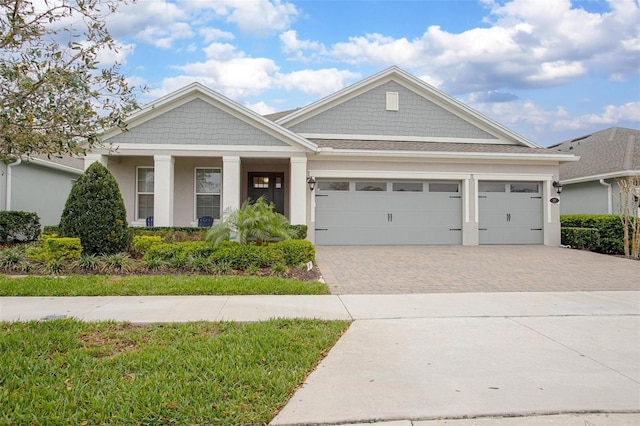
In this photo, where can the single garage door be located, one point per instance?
(510, 212)
(359, 212)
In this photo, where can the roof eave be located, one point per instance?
(447, 155)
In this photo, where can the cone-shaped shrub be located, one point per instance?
(95, 213)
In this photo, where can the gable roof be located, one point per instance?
(199, 91)
(611, 152)
(416, 85)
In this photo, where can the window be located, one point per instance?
(444, 187)
(333, 185)
(261, 182)
(144, 192)
(207, 192)
(491, 187)
(407, 186)
(531, 188)
(371, 186)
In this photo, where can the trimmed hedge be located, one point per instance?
(609, 240)
(580, 238)
(233, 254)
(54, 248)
(142, 243)
(19, 226)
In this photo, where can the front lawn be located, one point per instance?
(71, 372)
(154, 285)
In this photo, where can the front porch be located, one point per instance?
(176, 190)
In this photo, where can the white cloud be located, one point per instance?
(261, 108)
(317, 82)
(261, 16)
(222, 52)
(213, 34)
(525, 45)
(237, 78)
(610, 115)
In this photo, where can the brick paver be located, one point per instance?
(455, 269)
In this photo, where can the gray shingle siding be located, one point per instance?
(366, 114)
(196, 123)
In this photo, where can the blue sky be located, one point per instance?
(548, 69)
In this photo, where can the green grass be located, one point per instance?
(70, 372)
(154, 285)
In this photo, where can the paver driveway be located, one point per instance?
(453, 269)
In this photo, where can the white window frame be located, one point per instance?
(195, 188)
(137, 199)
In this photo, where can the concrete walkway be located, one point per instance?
(429, 356)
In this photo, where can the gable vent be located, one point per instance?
(393, 101)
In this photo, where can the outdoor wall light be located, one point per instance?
(312, 183)
(558, 186)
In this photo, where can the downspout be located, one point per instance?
(7, 205)
(609, 195)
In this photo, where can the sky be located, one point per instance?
(550, 70)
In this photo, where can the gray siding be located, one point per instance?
(586, 198)
(3, 186)
(41, 190)
(196, 123)
(366, 114)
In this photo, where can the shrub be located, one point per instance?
(142, 243)
(298, 232)
(19, 226)
(295, 252)
(10, 258)
(252, 221)
(168, 251)
(609, 229)
(95, 213)
(580, 238)
(118, 262)
(171, 234)
(62, 248)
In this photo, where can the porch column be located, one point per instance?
(89, 159)
(163, 190)
(230, 183)
(298, 191)
(470, 232)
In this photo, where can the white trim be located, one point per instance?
(506, 177)
(393, 101)
(476, 201)
(611, 175)
(465, 198)
(195, 193)
(52, 165)
(397, 175)
(10, 166)
(136, 201)
(344, 136)
(446, 154)
(206, 149)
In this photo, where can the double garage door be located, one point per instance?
(367, 212)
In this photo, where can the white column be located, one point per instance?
(230, 183)
(89, 159)
(163, 190)
(470, 232)
(298, 191)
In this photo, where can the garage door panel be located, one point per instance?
(387, 217)
(510, 217)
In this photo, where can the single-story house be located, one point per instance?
(38, 184)
(388, 160)
(590, 184)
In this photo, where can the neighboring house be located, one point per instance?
(394, 160)
(38, 185)
(589, 185)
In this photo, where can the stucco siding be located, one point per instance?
(196, 123)
(584, 198)
(366, 114)
(41, 190)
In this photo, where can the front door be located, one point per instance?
(270, 185)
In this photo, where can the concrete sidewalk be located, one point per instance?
(145, 309)
(426, 357)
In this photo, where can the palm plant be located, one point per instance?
(255, 220)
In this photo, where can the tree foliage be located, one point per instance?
(95, 213)
(255, 221)
(54, 96)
